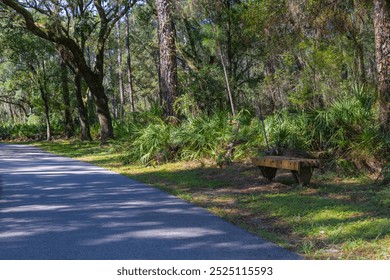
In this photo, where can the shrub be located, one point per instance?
(204, 137)
(347, 131)
(13, 131)
(289, 131)
(153, 143)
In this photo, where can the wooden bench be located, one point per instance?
(301, 168)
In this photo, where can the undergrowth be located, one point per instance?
(346, 135)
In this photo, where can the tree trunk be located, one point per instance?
(129, 69)
(82, 109)
(11, 112)
(101, 103)
(69, 128)
(70, 49)
(229, 39)
(167, 56)
(95, 84)
(41, 80)
(47, 111)
(230, 95)
(360, 61)
(94, 81)
(120, 74)
(112, 96)
(382, 52)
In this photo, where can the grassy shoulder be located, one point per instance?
(333, 218)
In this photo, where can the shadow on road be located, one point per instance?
(57, 208)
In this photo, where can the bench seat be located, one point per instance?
(301, 168)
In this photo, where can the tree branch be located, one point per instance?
(28, 18)
(70, 46)
(5, 100)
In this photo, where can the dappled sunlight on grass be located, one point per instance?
(333, 218)
(372, 228)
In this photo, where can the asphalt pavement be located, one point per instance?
(57, 208)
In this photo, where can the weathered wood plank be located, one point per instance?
(288, 163)
(302, 168)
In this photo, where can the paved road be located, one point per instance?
(53, 207)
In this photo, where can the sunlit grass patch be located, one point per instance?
(333, 218)
(75, 149)
(367, 229)
(367, 249)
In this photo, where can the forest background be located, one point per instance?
(211, 81)
(307, 67)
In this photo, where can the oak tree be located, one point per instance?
(68, 24)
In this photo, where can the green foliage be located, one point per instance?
(204, 137)
(309, 63)
(194, 139)
(346, 132)
(383, 196)
(288, 131)
(386, 172)
(153, 142)
(22, 131)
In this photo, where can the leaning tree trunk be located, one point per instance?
(382, 52)
(167, 56)
(101, 103)
(230, 95)
(94, 81)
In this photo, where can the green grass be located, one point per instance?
(334, 218)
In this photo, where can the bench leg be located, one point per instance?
(268, 172)
(303, 177)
